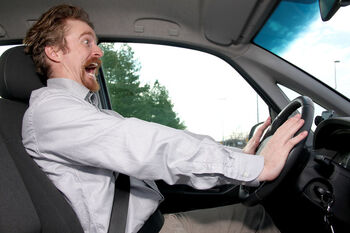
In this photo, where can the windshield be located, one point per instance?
(296, 33)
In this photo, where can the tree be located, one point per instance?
(237, 139)
(128, 96)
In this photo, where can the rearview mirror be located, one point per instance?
(329, 7)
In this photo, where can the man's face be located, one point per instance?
(81, 60)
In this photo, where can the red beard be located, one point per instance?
(90, 69)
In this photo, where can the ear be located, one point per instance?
(53, 53)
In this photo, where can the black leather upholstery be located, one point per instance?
(15, 200)
(17, 75)
(29, 201)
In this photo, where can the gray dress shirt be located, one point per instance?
(79, 146)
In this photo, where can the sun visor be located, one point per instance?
(224, 23)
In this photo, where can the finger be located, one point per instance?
(291, 133)
(263, 127)
(295, 117)
(267, 122)
(295, 127)
(290, 127)
(295, 140)
(292, 121)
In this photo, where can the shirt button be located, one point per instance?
(245, 174)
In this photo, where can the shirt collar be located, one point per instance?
(69, 85)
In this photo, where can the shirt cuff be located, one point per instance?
(245, 168)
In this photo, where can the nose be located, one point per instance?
(97, 51)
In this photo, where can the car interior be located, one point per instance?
(312, 194)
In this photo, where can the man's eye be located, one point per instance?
(87, 42)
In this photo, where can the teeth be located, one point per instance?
(92, 75)
(91, 70)
(92, 65)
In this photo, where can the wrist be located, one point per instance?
(262, 176)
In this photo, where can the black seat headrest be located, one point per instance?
(18, 77)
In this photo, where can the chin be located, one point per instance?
(91, 83)
(95, 88)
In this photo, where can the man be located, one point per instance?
(80, 147)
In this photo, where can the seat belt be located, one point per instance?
(154, 223)
(120, 210)
(119, 214)
(117, 222)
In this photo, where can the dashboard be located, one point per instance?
(325, 180)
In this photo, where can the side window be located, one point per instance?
(292, 95)
(3, 48)
(183, 89)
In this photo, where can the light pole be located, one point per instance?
(257, 108)
(223, 100)
(335, 74)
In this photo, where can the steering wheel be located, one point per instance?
(251, 196)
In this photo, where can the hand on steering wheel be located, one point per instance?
(277, 149)
(254, 142)
(280, 148)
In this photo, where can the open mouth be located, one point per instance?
(91, 67)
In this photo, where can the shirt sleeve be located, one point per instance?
(72, 131)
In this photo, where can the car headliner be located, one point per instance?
(230, 22)
(224, 28)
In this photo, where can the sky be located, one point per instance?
(313, 46)
(323, 44)
(213, 99)
(286, 24)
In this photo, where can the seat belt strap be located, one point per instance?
(154, 223)
(119, 214)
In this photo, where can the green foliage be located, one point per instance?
(128, 96)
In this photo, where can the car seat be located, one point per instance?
(29, 202)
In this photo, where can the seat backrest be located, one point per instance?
(15, 201)
(29, 202)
